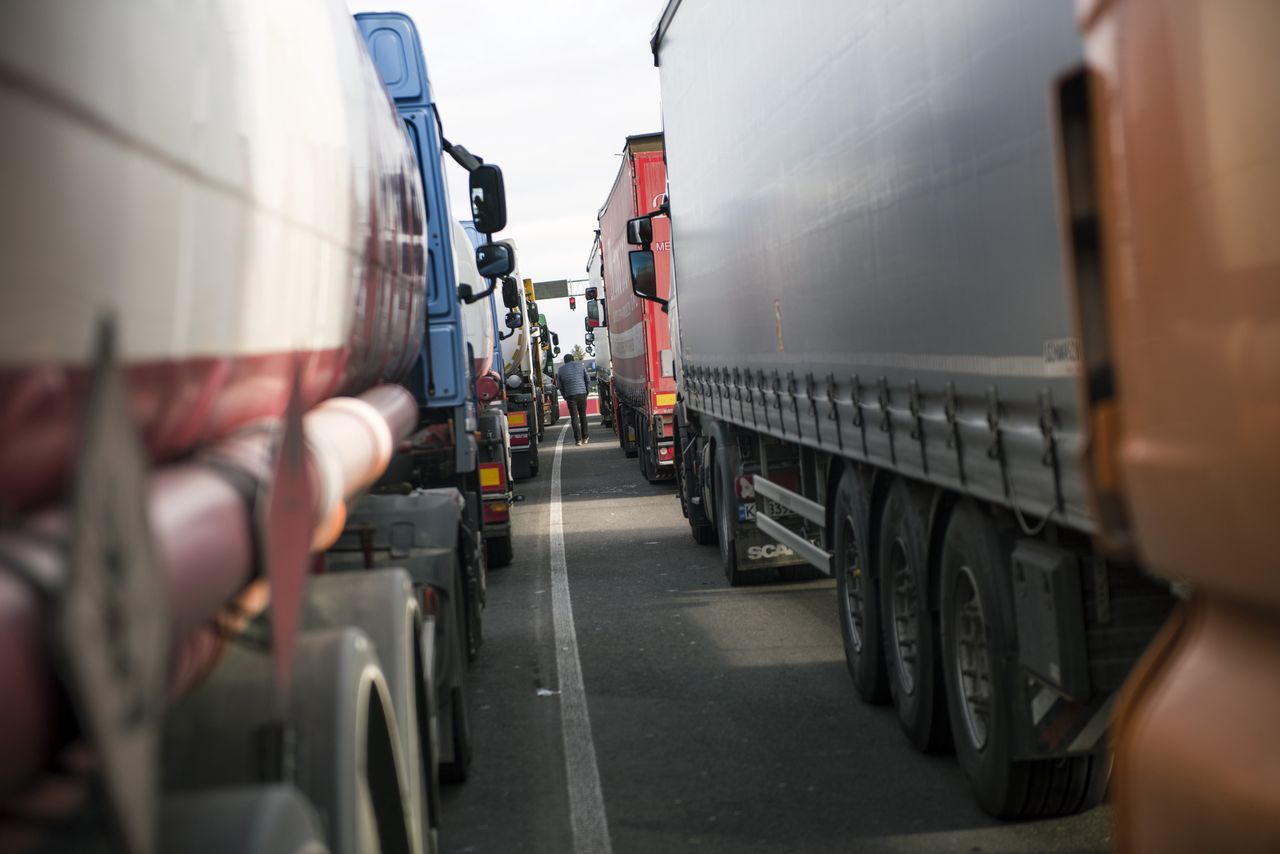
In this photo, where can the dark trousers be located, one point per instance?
(578, 414)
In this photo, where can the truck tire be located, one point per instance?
(648, 454)
(856, 592)
(726, 463)
(455, 713)
(382, 604)
(628, 433)
(342, 695)
(533, 453)
(457, 769)
(340, 712)
(910, 633)
(980, 681)
(704, 532)
(501, 551)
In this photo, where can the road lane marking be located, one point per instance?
(586, 801)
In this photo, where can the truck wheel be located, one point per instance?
(342, 711)
(630, 434)
(454, 702)
(382, 604)
(859, 604)
(648, 454)
(980, 690)
(457, 769)
(726, 514)
(500, 550)
(704, 533)
(910, 633)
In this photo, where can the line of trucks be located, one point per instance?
(974, 308)
(259, 428)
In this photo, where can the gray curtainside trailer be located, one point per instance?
(877, 374)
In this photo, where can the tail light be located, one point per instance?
(519, 440)
(665, 452)
(430, 601)
(493, 477)
(744, 487)
(496, 511)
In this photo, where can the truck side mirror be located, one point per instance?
(555, 339)
(640, 231)
(592, 323)
(510, 292)
(644, 278)
(514, 320)
(592, 293)
(488, 199)
(494, 260)
(590, 338)
(555, 351)
(593, 310)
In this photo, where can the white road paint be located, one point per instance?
(586, 801)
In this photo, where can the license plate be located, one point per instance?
(773, 508)
(747, 512)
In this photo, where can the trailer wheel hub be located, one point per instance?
(906, 617)
(973, 665)
(853, 587)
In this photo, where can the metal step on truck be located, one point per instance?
(877, 373)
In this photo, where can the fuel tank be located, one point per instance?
(228, 185)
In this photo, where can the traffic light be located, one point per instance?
(573, 303)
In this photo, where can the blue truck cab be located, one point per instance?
(426, 513)
(440, 379)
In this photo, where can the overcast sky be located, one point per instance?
(548, 90)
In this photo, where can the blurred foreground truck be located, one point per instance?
(1171, 149)
(643, 386)
(877, 371)
(237, 597)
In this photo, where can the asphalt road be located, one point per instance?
(720, 719)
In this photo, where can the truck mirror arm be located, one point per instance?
(460, 155)
(465, 295)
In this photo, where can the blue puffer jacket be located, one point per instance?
(572, 378)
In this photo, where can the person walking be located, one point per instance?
(572, 379)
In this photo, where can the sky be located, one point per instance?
(548, 90)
